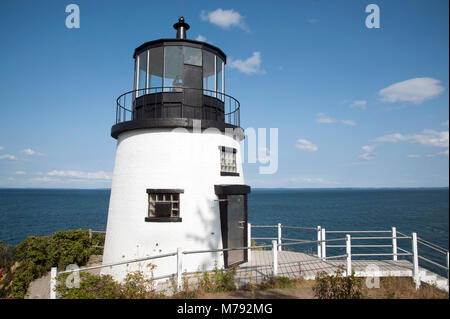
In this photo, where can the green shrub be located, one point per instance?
(337, 287)
(91, 287)
(6, 270)
(37, 255)
(219, 280)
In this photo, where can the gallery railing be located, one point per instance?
(177, 102)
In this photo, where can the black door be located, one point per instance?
(193, 95)
(237, 229)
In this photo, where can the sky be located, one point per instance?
(353, 106)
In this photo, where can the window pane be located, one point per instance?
(208, 72)
(156, 69)
(192, 56)
(219, 64)
(142, 72)
(173, 68)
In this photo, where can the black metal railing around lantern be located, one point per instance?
(177, 102)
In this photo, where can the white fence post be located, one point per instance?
(319, 244)
(448, 266)
(179, 268)
(415, 261)
(279, 237)
(394, 244)
(324, 245)
(348, 244)
(274, 258)
(249, 242)
(53, 275)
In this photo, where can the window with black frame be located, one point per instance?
(164, 205)
(228, 165)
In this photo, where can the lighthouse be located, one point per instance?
(178, 179)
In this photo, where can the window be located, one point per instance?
(192, 56)
(142, 73)
(164, 205)
(173, 68)
(209, 79)
(219, 69)
(156, 68)
(228, 165)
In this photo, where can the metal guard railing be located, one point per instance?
(277, 245)
(126, 103)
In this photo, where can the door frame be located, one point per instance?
(222, 192)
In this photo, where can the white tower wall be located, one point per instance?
(164, 159)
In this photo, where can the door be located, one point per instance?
(237, 229)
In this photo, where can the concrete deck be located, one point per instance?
(295, 265)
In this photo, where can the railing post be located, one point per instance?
(274, 258)
(348, 244)
(53, 275)
(249, 242)
(394, 244)
(448, 266)
(279, 237)
(324, 244)
(319, 243)
(179, 268)
(415, 261)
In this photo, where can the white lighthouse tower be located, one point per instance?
(178, 180)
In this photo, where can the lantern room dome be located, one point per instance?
(175, 82)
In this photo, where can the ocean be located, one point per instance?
(25, 212)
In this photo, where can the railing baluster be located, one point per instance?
(415, 261)
(349, 254)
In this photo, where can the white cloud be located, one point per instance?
(369, 153)
(81, 175)
(21, 173)
(225, 18)
(323, 118)
(313, 21)
(348, 122)
(366, 156)
(415, 90)
(413, 156)
(426, 137)
(200, 38)
(444, 153)
(10, 179)
(45, 179)
(7, 156)
(252, 65)
(306, 146)
(445, 123)
(29, 151)
(369, 148)
(359, 104)
(1, 148)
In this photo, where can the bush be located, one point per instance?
(219, 280)
(91, 287)
(37, 255)
(6, 270)
(337, 287)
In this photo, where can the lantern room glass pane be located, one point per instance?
(156, 61)
(173, 68)
(142, 76)
(192, 56)
(219, 68)
(209, 76)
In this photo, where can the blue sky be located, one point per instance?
(354, 107)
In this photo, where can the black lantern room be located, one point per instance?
(177, 81)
